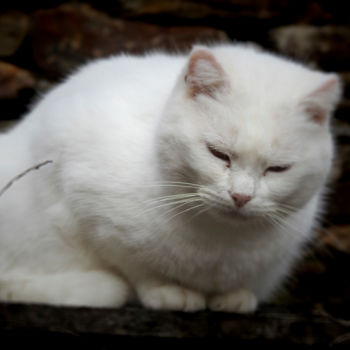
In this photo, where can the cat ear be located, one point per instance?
(204, 75)
(320, 103)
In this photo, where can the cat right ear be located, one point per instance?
(320, 103)
(204, 75)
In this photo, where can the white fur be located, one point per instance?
(93, 227)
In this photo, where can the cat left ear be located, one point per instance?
(320, 103)
(204, 75)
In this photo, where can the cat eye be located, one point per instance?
(218, 154)
(277, 169)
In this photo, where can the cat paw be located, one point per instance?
(239, 301)
(171, 297)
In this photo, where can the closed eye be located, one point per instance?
(277, 169)
(218, 154)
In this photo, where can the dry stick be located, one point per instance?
(35, 167)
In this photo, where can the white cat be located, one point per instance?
(188, 181)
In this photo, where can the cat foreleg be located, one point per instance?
(160, 296)
(240, 301)
(77, 288)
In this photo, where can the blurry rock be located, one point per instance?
(341, 164)
(341, 128)
(338, 206)
(14, 27)
(328, 46)
(201, 9)
(341, 131)
(344, 151)
(343, 111)
(337, 238)
(338, 198)
(276, 10)
(345, 76)
(13, 80)
(321, 276)
(66, 36)
(338, 195)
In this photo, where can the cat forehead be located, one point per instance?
(250, 116)
(263, 75)
(245, 132)
(261, 64)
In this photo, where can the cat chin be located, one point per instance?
(230, 215)
(236, 216)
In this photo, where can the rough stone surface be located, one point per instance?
(201, 9)
(328, 46)
(339, 203)
(311, 324)
(276, 11)
(13, 80)
(345, 76)
(72, 33)
(336, 237)
(14, 27)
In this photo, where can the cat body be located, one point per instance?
(187, 181)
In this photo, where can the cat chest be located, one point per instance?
(212, 270)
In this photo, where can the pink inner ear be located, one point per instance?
(204, 74)
(321, 101)
(329, 84)
(205, 56)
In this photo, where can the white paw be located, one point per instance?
(171, 297)
(240, 301)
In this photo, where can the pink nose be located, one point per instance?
(240, 199)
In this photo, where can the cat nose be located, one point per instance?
(240, 199)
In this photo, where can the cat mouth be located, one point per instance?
(231, 214)
(236, 214)
(223, 210)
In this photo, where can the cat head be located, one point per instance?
(250, 130)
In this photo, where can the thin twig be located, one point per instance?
(19, 176)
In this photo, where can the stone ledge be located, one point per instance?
(304, 324)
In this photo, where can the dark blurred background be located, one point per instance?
(43, 41)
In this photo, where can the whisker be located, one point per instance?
(179, 206)
(185, 211)
(207, 208)
(180, 201)
(284, 212)
(275, 221)
(285, 226)
(201, 211)
(287, 207)
(177, 184)
(173, 196)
